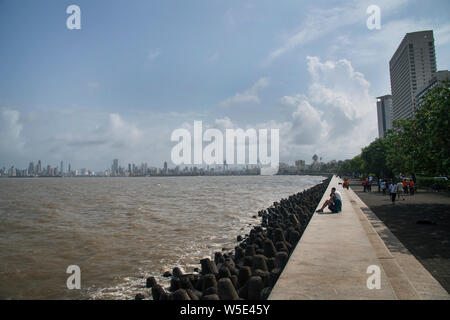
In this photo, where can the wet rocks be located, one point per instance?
(244, 275)
(181, 294)
(194, 294)
(157, 291)
(139, 296)
(210, 291)
(281, 259)
(259, 262)
(269, 249)
(175, 284)
(208, 280)
(255, 286)
(226, 290)
(176, 272)
(150, 282)
(224, 272)
(208, 266)
(250, 250)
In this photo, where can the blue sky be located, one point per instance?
(137, 70)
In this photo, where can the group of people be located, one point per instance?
(387, 186)
(367, 184)
(397, 190)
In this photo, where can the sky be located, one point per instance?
(138, 70)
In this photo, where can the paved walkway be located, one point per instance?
(335, 251)
(430, 242)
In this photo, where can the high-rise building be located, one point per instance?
(412, 66)
(437, 80)
(61, 171)
(165, 167)
(31, 169)
(115, 168)
(384, 111)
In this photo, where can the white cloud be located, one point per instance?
(12, 143)
(224, 123)
(378, 46)
(84, 138)
(10, 130)
(321, 22)
(307, 125)
(338, 86)
(11, 125)
(334, 119)
(248, 96)
(442, 34)
(122, 133)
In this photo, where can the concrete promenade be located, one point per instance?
(331, 259)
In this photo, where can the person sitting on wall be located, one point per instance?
(334, 203)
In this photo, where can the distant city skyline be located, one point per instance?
(121, 84)
(131, 169)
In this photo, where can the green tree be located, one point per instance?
(402, 142)
(432, 125)
(357, 165)
(420, 145)
(374, 156)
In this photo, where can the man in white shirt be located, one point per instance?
(334, 203)
(393, 191)
(337, 193)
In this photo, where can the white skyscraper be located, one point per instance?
(411, 67)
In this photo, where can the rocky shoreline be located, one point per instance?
(251, 271)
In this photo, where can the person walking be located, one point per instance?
(347, 183)
(400, 190)
(393, 192)
(411, 187)
(405, 186)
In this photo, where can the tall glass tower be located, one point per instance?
(412, 66)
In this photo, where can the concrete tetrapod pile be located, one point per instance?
(251, 271)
